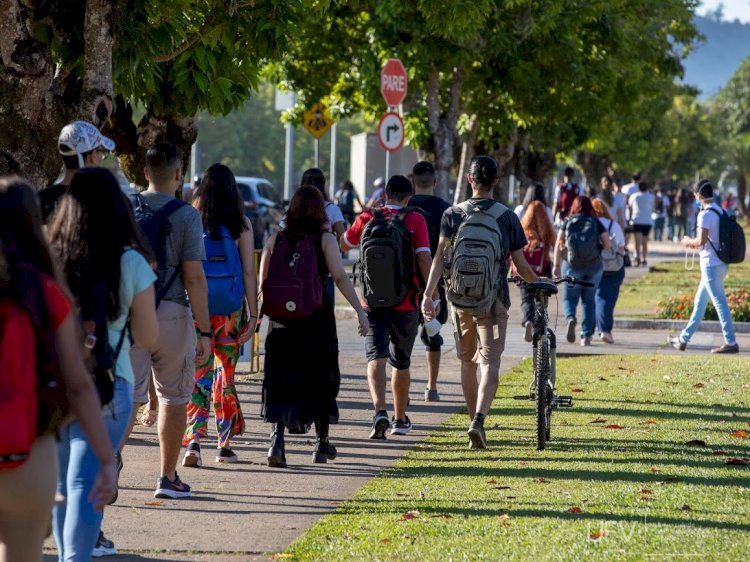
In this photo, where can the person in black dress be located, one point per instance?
(301, 370)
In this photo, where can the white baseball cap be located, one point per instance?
(80, 137)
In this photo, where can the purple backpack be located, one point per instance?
(293, 288)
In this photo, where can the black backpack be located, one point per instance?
(582, 241)
(731, 248)
(386, 260)
(155, 227)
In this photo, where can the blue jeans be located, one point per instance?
(75, 523)
(711, 286)
(587, 295)
(606, 299)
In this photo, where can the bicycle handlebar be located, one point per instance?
(518, 280)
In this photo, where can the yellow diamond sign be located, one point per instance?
(317, 120)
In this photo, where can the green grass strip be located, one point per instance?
(635, 471)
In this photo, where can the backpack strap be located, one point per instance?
(721, 215)
(162, 216)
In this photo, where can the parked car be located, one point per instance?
(262, 206)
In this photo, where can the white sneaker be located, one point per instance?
(103, 547)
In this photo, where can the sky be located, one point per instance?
(739, 9)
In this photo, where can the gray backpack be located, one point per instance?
(582, 241)
(473, 272)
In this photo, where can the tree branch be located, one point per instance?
(191, 42)
(433, 101)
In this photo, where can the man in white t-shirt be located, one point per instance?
(632, 188)
(713, 272)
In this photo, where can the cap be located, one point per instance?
(80, 137)
(379, 182)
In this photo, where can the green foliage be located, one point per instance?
(681, 306)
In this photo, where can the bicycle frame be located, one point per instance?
(542, 332)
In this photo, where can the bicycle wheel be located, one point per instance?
(541, 372)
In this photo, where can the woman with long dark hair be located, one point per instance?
(105, 263)
(301, 372)
(38, 331)
(219, 202)
(578, 254)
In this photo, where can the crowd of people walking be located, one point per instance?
(107, 298)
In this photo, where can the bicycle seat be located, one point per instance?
(544, 286)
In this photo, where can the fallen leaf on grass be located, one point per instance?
(584, 500)
(738, 462)
(647, 422)
(614, 426)
(667, 377)
(412, 514)
(598, 535)
(655, 470)
(501, 487)
(491, 481)
(647, 491)
(740, 434)
(598, 420)
(385, 541)
(577, 390)
(698, 385)
(746, 386)
(504, 516)
(155, 503)
(510, 497)
(541, 480)
(719, 453)
(399, 494)
(574, 509)
(602, 379)
(696, 442)
(646, 498)
(686, 507)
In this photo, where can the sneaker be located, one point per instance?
(379, 425)
(585, 341)
(727, 348)
(677, 343)
(192, 458)
(477, 437)
(103, 547)
(528, 331)
(431, 395)
(401, 427)
(607, 338)
(225, 454)
(118, 456)
(571, 333)
(173, 489)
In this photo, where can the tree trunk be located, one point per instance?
(742, 192)
(463, 190)
(443, 126)
(595, 166)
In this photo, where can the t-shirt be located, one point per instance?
(619, 201)
(136, 276)
(641, 206)
(708, 220)
(420, 242)
(630, 189)
(509, 225)
(433, 208)
(520, 211)
(334, 214)
(184, 242)
(616, 231)
(49, 197)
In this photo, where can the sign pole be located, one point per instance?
(317, 148)
(387, 165)
(288, 161)
(332, 173)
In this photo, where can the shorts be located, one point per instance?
(392, 334)
(481, 339)
(172, 362)
(435, 342)
(644, 229)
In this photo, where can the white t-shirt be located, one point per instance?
(619, 201)
(619, 240)
(520, 211)
(708, 220)
(630, 189)
(641, 206)
(332, 211)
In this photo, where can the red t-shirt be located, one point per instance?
(420, 242)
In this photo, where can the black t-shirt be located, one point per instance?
(48, 197)
(509, 225)
(432, 208)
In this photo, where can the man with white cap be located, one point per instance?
(81, 145)
(377, 199)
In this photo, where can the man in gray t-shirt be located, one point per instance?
(181, 312)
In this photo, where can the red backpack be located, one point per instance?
(567, 195)
(19, 403)
(293, 288)
(537, 259)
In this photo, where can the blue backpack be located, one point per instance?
(223, 270)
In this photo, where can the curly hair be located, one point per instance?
(537, 226)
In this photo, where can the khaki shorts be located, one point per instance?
(172, 362)
(481, 339)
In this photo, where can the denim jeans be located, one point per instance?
(606, 299)
(75, 523)
(711, 286)
(587, 295)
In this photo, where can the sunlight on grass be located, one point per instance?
(638, 468)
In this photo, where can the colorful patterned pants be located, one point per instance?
(214, 382)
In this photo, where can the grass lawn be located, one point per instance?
(619, 481)
(669, 279)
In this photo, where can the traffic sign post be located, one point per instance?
(317, 120)
(393, 82)
(391, 131)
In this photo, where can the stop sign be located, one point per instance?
(393, 82)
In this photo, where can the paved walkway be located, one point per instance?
(248, 511)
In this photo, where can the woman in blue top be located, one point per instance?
(95, 236)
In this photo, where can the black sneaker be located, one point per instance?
(380, 425)
(103, 547)
(571, 333)
(528, 331)
(192, 458)
(118, 456)
(677, 343)
(401, 427)
(224, 454)
(477, 438)
(174, 489)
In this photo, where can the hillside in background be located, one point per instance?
(712, 63)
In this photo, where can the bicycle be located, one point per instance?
(544, 341)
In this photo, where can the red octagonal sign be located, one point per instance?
(393, 82)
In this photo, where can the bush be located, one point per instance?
(681, 306)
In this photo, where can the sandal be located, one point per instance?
(149, 417)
